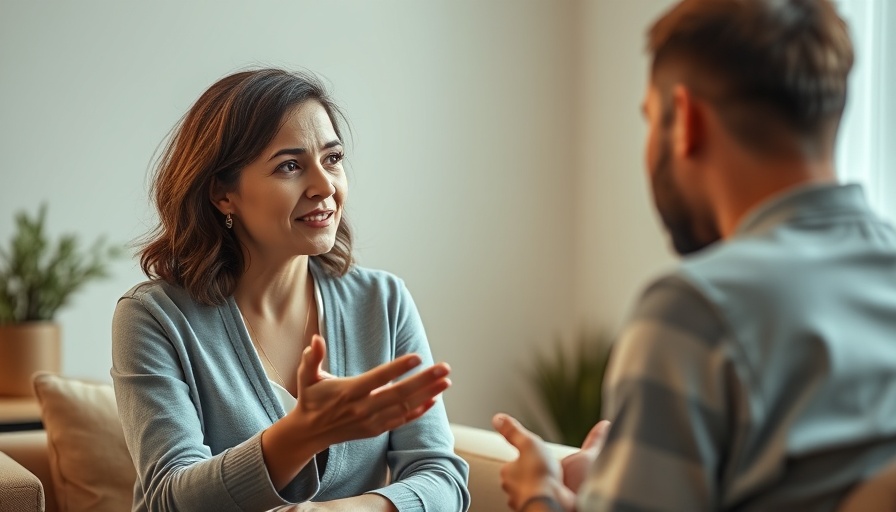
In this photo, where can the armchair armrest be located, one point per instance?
(20, 490)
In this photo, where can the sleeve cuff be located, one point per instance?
(402, 496)
(247, 480)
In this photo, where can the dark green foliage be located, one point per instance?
(36, 278)
(568, 386)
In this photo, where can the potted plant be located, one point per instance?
(37, 278)
(568, 387)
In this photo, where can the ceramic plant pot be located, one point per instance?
(25, 349)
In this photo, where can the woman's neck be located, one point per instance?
(273, 291)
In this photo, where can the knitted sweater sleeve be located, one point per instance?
(163, 427)
(426, 473)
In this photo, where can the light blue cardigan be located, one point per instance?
(194, 397)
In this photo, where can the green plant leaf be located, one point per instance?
(568, 385)
(37, 278)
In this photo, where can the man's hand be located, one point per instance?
(576, 466)
(535, 472)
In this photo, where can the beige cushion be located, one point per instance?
(89, 461)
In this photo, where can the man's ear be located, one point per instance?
(220, 197)
(689, 131)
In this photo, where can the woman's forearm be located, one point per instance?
(285, 452)
(363, 503)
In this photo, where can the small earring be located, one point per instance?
(228, 222)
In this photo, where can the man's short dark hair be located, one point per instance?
(776, 70)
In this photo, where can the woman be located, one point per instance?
(253, 370)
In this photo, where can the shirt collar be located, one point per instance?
(804, 201)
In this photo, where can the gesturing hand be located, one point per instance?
(367, 405)
(535, 472)
(576, 466)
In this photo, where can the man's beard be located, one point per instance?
(689, 233)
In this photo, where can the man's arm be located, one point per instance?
(670, 391)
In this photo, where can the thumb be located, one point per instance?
(597, 435)
(310, 363)
(512, 430)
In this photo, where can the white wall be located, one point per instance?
(496, 163)
(619, 243)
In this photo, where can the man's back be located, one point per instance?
(762, 374)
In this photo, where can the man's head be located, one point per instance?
(770, 74)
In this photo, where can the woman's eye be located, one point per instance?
(290, 166)
(335, 158)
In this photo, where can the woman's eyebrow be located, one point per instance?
(299, 151)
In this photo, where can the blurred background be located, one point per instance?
(495, 162)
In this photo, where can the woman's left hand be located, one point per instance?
(333, 410)
(367, 405)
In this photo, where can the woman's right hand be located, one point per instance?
(332, 409)
(367, 405)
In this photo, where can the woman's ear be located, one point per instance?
(220, 197)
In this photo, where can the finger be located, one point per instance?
(310, 363)
(420, 411)
(512, 430)
(415, 389)
(368, 381)
(399, 402)
(421, 379)
(433, 372)
(387, 407)
(596, 435)
(400, 416)
(431, 392)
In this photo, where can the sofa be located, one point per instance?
(79, 461)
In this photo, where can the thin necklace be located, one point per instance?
(265, 354)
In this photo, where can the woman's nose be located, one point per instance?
(320, 183)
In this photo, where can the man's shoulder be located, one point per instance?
(741, 256)
(747, 269)
(699, 295)
(675, 301)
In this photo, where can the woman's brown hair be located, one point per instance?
(227, 128)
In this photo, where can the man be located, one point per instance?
(761, 374)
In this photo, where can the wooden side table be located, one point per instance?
(19, 414)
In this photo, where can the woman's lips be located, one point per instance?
(318, 219)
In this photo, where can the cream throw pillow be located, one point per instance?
(90, 464)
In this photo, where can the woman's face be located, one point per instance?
(289, 200)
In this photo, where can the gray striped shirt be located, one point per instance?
(761, 374)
